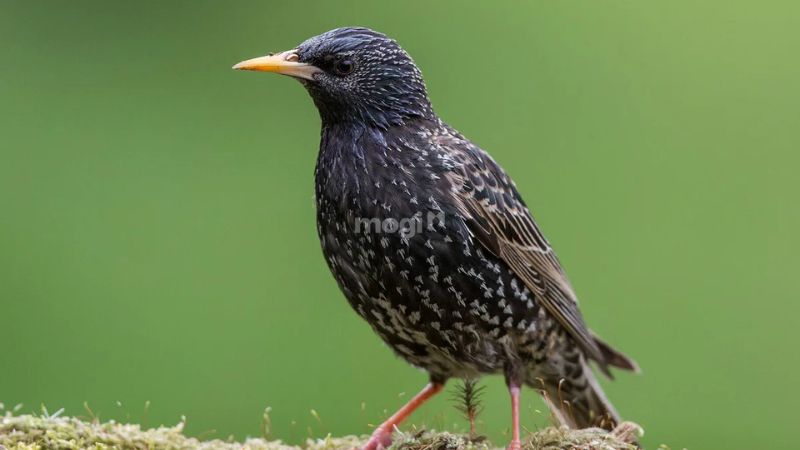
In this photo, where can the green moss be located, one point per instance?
(28, 432)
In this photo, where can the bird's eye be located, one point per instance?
(344, 66)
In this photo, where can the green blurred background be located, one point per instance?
(157, 236)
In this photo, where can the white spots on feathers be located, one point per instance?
(435, 296)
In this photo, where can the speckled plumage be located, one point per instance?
(443, 299)
(478, 290)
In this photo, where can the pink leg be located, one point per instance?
(382, 436)
(515, 442)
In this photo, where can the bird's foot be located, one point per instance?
(379, 440)
(514, 445)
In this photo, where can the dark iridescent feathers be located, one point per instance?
(479, 291)
(385, 87)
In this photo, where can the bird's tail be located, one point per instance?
(613, 357)
(579, 402)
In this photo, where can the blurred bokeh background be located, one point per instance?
(157, 236)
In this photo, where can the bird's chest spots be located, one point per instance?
(374, 211)
(373, 228)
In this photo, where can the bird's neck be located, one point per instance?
(372, 117)
(342, 161)
(393, 109)
(352, 158)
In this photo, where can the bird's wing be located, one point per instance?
(498, 218)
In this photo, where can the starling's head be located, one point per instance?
(354, 75)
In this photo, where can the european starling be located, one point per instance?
(430, 241)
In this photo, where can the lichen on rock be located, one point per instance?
(28, 432)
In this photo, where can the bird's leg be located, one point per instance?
(382, 436)
(513, 389)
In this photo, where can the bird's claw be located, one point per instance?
(515, 445)
(379, 440)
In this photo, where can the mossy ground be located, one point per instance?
(27, 432)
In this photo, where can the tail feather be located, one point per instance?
(614, 358)
(580, 403)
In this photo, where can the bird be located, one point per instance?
(431, 242)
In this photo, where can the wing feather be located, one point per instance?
(498, 219)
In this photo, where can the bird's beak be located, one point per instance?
(285, 63)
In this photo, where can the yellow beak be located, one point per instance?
(283, 63)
